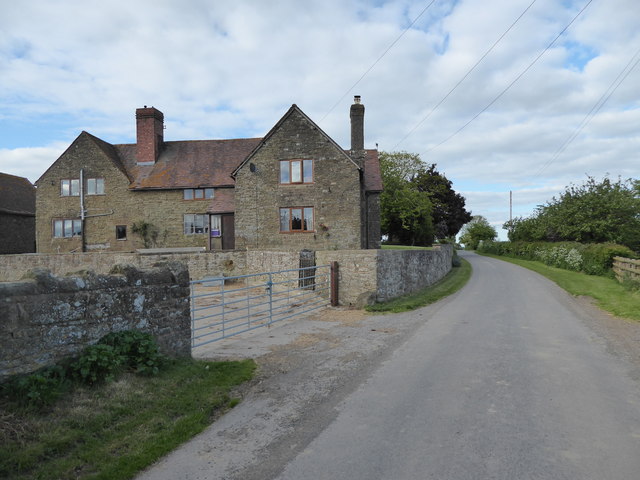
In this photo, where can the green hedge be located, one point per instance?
(592, 258)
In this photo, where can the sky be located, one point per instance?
(520, 96)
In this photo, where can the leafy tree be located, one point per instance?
(449, 213)
(418, 202)
(477, 230)
(406, 212)
(595, 212)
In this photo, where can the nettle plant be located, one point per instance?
(129, 350)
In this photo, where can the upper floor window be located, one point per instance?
(296, 171)
(197, 193)
(67, 228)
(70, 187)
(95, 186)
(196, 223)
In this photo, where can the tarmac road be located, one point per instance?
(505, 380)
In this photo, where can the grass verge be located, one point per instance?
(451, 283)
(114, 430)
(610, 295)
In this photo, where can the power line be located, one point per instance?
(628, 68)
(379, 58)
(512, 83)
(465, 76)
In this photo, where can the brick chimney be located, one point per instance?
(150, 135)
(357, 124)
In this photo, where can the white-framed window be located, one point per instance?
(196, 223)
(197, 193)
(95, 186)
(296, 171)
(67, 228)
(296, 219)
(70, 187)
(216, 225)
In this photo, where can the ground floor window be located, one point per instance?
(121, 232)
(296, 219)
(67, 228)
(196, 223)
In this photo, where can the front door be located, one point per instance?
(228, 232)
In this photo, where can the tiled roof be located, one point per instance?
(188, 164)
(17, 195)
(372, 175)
(223, 201)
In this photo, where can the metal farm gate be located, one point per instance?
(225, 306)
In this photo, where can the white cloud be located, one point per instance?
(28, 162)
(231, 68)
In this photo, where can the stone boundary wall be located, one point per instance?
(48, 318)
(200, 265)
(365, 276)
(369, 276)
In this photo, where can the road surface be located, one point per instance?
(511, 378)
(505, 382)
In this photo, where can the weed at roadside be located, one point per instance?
(114, 430)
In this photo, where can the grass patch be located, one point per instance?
(451, 283)
(610, 295)
(403, 247)
(114, 430)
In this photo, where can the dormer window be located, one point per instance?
(296, 171)
(197, 193)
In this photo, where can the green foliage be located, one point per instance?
(405, 212)
(598, 257)
(114, 430)
(98, 363)
(418, 203)
(148, 232)
(595, 212)
(476, 231)
(449, 213)
(39, 389)
(138, 349)
(593, 259)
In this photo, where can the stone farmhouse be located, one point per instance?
(293, 189)
(17, 215)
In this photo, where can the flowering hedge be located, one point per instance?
(591, 258)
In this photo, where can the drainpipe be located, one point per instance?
(83, 239)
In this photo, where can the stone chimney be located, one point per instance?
(357, 124)
(150, 135)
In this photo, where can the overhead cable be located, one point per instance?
(464, 77)
(632, 64)
(506, 89)
(379, 58)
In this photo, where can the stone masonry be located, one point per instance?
(47, 318)
(335, 193)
